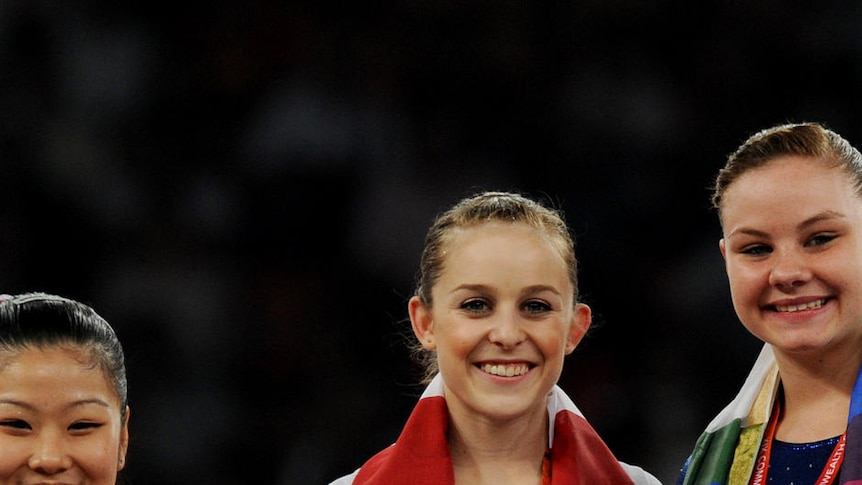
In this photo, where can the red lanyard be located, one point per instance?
(761, 465)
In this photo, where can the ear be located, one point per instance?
(124, 441)
(423, 324)
(581, 320)
(723, 248)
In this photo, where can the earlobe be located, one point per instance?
(581, 321)
(423, 324)
(722, 248)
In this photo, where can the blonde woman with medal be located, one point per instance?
(495, 313)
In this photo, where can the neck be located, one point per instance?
(817, 390)
(483, 448)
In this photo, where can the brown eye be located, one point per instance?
(84, 425)
(15, 424)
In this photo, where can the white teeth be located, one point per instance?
(507, 370)
(799, 308)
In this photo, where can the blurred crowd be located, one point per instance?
(242, 189)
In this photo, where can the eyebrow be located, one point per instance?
(526, 291)
(819, 217)
(74, 404)
(539, 288)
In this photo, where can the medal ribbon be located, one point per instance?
(761, 465)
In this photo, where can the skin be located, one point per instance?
(792, 240)
(60, 420)
(503, 299)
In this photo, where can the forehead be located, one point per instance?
(496, 232)
(789, 172)
(53, 374)
(502, 246)
(789, 186)
(77, 352)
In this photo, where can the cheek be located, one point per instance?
(14, 456)
(745, 279)
(99, 458)
(460, 336)
(843, 272)
(552, 342)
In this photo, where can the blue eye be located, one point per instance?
(821, 239)
(756, 250)
(536, 306)
(475, 305)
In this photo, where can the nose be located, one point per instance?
(789, 270)
(49, 455)
(506, 331)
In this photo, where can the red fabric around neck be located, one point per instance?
(421, 454)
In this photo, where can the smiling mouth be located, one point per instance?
(798, 308)
(506, 370)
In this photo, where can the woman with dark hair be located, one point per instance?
(64, 414)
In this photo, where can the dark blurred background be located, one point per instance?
(242, 189)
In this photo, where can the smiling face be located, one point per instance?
(793, 251)
(502, 321)
(60, 420)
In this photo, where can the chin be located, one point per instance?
(506, 409)
(800, 346)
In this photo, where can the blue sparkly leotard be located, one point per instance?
(799, 463)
